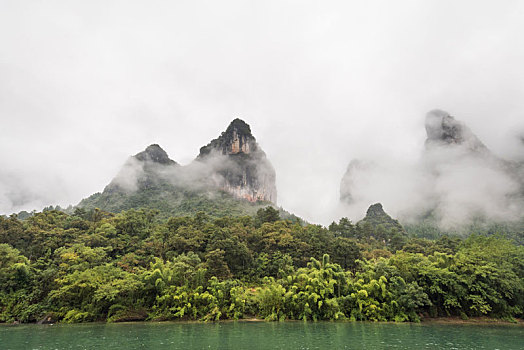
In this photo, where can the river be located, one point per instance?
(261, 335)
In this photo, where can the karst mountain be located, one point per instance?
(230, 176)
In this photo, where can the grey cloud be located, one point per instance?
(86, 84)
(456, 179)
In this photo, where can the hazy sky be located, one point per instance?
(85, 84)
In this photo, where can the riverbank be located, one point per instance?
(435, 320)
(473, 320)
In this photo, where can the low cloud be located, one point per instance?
(456, 179)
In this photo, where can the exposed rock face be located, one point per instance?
(236, 139)
(242, 166)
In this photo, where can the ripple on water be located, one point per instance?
(261, 335)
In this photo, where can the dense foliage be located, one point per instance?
(430, 228)
(170, 200)
(94, 265)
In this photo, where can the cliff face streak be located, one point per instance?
(242, 166)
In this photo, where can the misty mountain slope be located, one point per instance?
(230, 176)
(147, 169)
(444, 130)
(173, 201)
(456, 182)
(470, 181)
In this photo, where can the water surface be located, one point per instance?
(261, 335)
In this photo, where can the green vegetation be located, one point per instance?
(92, 265)
(429, 228)
(170, 201)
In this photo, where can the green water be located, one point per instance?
(261, 335)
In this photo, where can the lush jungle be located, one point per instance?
(92, 265)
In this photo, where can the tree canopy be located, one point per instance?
(136, 265)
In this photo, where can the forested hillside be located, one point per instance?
(95, 266)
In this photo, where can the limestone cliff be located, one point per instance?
(236, 139)
(242, 167)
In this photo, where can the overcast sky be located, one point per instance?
(85, 84)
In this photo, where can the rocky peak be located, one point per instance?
(376, 210)
(376, 215)
(240, 164)
(443, 129)
(239, 127)
(154, 153)
(236, 139)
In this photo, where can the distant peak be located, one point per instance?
(154, 148)
(375, 210)
(377, 216)
(442, 128)
(240, 126)
(237, 139)
(154, 153)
